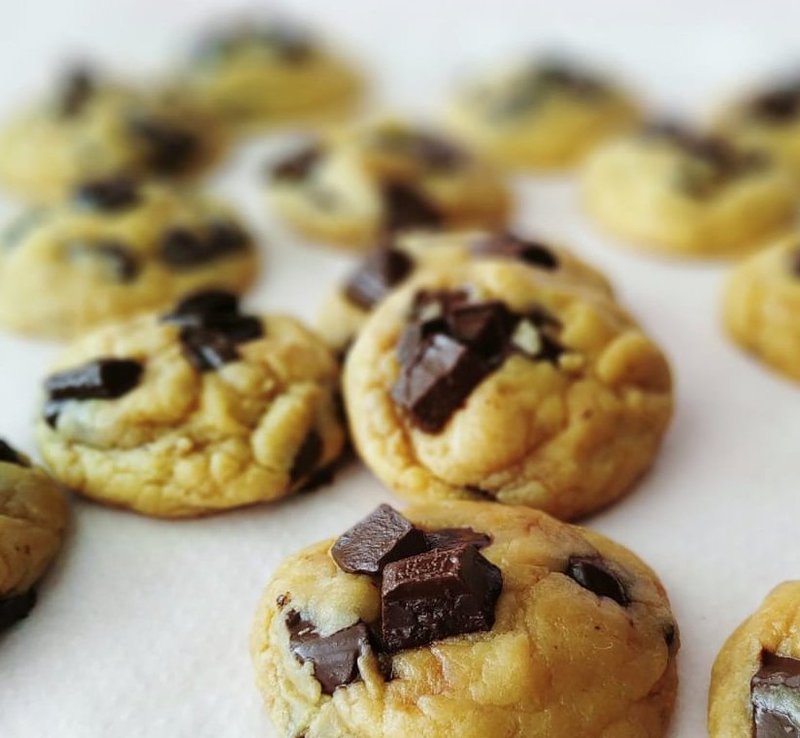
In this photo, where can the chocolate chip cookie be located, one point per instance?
(383, 177)
(398, 257)
(541, 114)
(266, 72)
(89, 127)
(33, 516)
(761, 306)
(755, 683)
(768, 120)
(495, 381)
(466, 619)
(193, 411)
(670, 189)
(115, 248)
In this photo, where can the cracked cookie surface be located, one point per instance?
(33, 516)
(762, 303)
(193, 413)
(562, 658)
(113, 249)
(383, 176)
(671, 190)
(529, 391)
(399, 257)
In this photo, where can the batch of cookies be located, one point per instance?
(488, 378)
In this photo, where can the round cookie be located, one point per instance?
(755, 683)
(89, 128)
(761, 306)
(400, 256)
(670, 190)
(33, 516)
(496, 381)
(385, 176)
(193, 412)
(262, 73)
(767, 120)
(466, 619)
(113, 249)
(540, 115)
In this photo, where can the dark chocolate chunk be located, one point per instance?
(202, 304)
(9, 455)
(206, 349)
(779, 105)
(109, 195)
(170, 149)
(484, 326)
(382, 270)
(437, 383)
(51, 411)
(381, 538)
(76, 90)
(436, 595)
(592, 573)
(102, 379)
(183, 248)
(297, 166)
(307, 457)
(507, 245)
(775, 697)
(121, 263)
(405, 208)
(455, 537)
(334, 657)
(16, 608)
(670, 635)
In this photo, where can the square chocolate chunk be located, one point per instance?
(436, 595)
(775, 697)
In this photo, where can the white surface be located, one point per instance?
(142, 627)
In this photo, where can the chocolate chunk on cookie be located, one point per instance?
(455, 537)
(775, 697)
(111, 194)
(405, 208)
(510, 246)
(334, 657)
(378, 274)
(592, 573)
(170, 149)
(436, 595)
(381, 538)
(9, 455)
(102, 379)
(15, 608)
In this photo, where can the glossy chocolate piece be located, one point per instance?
(381, 538)
(592, 573)
(122, 265)
(437, 595)
(454, 537)
(201, 304)
(381, 271)
(9, 455)
(170, 149)
(307, 457)
(297, 167)
(108, 195)
(183, 248)
(206, 349)
(406, 209)
(775, 697)
(334, 657)
(102, 379)
(509, 246)
(16, 608)
(76, 90)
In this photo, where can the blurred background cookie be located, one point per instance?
(541, 114)
(115, 248)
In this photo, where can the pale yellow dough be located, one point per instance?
(340, 319)
(56, 282)
(761, 308)
(559, 662)
(774, 627)
(185, 443)
(633, 187)
(340, 201)
(44, 154)
(554, 130)
(249, 84)
(33, 516)
(567, 438)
